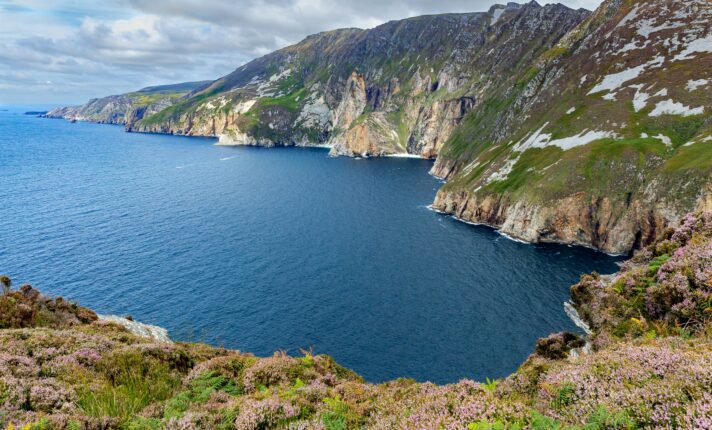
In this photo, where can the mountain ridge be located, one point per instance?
(504, 101)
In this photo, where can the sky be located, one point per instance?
(68, 51)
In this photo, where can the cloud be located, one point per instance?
(87, 49)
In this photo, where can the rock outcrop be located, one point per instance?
(550, 123)
(126, 108)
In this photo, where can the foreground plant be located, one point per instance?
(649, 367)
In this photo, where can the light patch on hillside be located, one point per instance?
(583, 138)
(218, 103)
(646, 27)
(496, 15)
(541, 140)
(504, 171)
(535, 140)
(315, 113)
(632, 46)
(244, 107)
(664, 139)
(266, 89)
(470, 167)
(614, 81)
(670, 107)
(640, 99)
(701, 45)
(693, 85)
(632, 15)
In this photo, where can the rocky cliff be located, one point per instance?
(126, 108)
(552, 124)
(603, 142)
(646, 364)
(402, 87)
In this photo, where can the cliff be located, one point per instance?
(126, 108)
(648, 364)
(551, 124)
(603, 142)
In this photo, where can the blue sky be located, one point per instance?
(68, 51)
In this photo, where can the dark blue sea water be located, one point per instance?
(275, 249)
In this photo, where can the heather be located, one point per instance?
(646, 365)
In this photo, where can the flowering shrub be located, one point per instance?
(666, 287)
(651, 367)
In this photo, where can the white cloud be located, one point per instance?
(89, 49)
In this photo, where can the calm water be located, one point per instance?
(269, 249)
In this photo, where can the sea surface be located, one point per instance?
(275, 249)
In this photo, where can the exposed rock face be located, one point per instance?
(402, 87)
(107, 110)
(552, 124)
(126, 108)
(575, 219)
(587, 146)
(159, 334)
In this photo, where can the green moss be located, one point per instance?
(529, 166)
(693, 157)
(289, 101)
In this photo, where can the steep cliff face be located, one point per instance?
(402, 87)
(126, 108)
(550, 123)
(603, 142)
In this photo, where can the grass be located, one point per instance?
(200, 390)
(146, 98)
(289, 101)
(527, 168)
(132, 382)
(693, 157)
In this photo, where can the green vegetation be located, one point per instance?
(649, 369)
(289, 101)
(132, 383)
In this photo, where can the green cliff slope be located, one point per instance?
(125, 108)
(551, 124)
(604, 142)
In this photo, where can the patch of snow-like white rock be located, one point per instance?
(664, 139)
(701, 45)
(693, 85)
(614, 81)
(315, 113)
(503, 171)
(244, 106)
(632, 46)
(640, 99)
(538, 139)
(496, 14)
(264, 89)
(583, 138)
(670, 107)
(149, 331)
(646, 27)
(630, 17)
